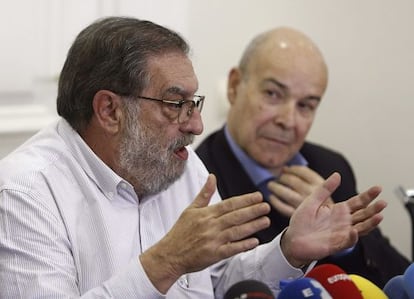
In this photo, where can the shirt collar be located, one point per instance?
(103, 176)
(257, 172)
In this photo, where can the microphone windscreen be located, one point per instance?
(338, 284)
(249, 289)
(409, 281)
(395, 289)
(368, 289)
(304, 288)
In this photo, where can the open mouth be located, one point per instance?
(181, 153)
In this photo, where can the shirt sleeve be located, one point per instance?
(265, 263)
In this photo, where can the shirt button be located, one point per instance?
(183, 282)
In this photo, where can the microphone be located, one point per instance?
(408, 277)
(338, 284)
(249, 289)
(395, 289)
(304, 288)
(368, 289)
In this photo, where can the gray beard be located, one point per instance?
(146, 163)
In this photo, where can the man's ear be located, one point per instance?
(233, 81)
(108, 110)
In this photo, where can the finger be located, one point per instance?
(304, 173)
(368, 225)
(237, 202)
(301, 179)
(207, 191)
(242, 231)
(296, 183)
(363, 199)
(323, 192)
(371, 210)
(240, 216)
(285, 194)
(283, 208)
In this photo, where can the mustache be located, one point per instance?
(182, 141)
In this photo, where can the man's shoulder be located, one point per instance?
(33, 159)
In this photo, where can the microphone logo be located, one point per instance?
(338, 277)
(307, 293)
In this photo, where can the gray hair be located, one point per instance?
(112, 54)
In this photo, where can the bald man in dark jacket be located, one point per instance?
(274, 94)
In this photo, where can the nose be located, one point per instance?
(286, 116)
(194, 125)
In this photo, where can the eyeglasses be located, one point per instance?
(181, 109)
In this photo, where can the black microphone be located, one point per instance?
(249, 289)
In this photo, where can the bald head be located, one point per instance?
(283, 44)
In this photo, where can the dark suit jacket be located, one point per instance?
(373, 257)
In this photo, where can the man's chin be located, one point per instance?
(167, 179)
(270, 162)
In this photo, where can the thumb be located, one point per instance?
(325, 190)
(204, 196)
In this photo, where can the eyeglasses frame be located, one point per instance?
(196, 104)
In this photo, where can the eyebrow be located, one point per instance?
(285, 89)
(276, 82)
(174, 90)
(177, 90)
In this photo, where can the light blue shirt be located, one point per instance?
(70, 227)
(257, 172)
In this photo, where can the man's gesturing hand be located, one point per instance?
(319, 228)
(205, 234)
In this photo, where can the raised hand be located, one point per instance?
(204, 235)
(294, 184)
(319, 228)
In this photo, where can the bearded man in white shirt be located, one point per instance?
(111, 202)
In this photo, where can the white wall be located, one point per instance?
(366, 113)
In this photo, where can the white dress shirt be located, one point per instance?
(70, 227)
